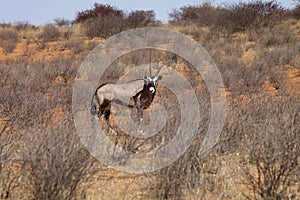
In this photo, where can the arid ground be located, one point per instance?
(257, 155)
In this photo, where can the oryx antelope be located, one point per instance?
(121, 93)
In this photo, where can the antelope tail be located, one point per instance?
(93, 110)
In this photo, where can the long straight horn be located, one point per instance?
(159, 70)
(150, 65)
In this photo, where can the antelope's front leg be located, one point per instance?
(140, 118)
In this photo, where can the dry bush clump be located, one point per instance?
(6, 25)
(75, 45)
(253, 15)
(189, 173)
(141, 18)
(23, 26)
(30, 96)
(262, 127)
(56, 162)
(103, 26)
(230, 18)
(50, 33)
(101, 21)
(273, 37)
(106, 20)
(10, 167)
(62, 22)
(24, 92)
(296, 10)
(270, 136)
(97, 11)
(8, 40)
(202, 15)
(264, 130)
(247, 61)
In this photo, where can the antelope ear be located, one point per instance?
(159, 78)
(145, 80)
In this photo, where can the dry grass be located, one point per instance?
(260, 69)
(8, 40)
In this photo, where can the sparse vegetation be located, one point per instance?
(56, 163)
(50, 33)
(106, 20)
(23, 26)
(8, 40)
(256, 48)
(62, 22)
(230, 18)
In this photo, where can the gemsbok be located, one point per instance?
(107, 93)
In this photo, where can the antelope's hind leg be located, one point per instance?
(107, 113)
(104, 109)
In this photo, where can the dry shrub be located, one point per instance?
(267, 52)
(202, 15)
(26, 86)
(101, 21)
(23, 96)
(10, 167)
(76, 46)
(296, 12)
(141, 18)
(56, 162)
(272, 140)
(8, 40)
(230, 18)
(29, 94)
(62, 22)
(253, 15)
(50, 33)
(239, 77)
(105, 20)
(189, 174)
(103, 26)
(268, 37)
(264, 129)
(23, 26)
(6, 25)
(279, 56)
(99, 10)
